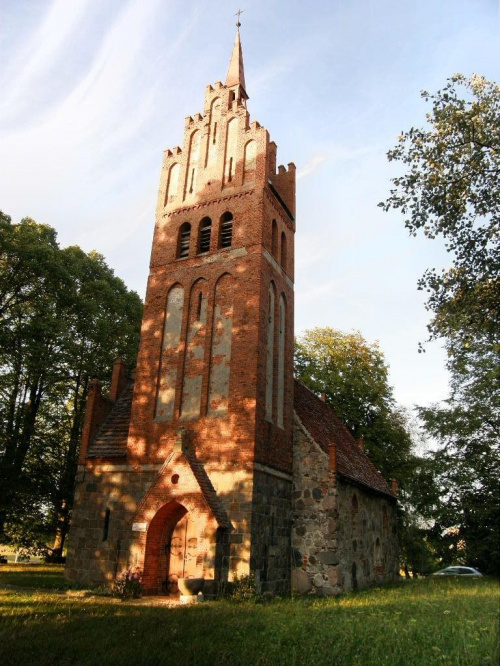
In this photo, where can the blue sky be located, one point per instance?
(94, 90)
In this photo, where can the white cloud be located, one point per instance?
(311, 165)
(41, 51)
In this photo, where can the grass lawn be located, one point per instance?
(39, 576)
(421, 622)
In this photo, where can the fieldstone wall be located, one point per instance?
(315, 548)
(96, 551)
(271, 527)
(343, 537)
(367, 536)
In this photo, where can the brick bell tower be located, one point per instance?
(209, 444)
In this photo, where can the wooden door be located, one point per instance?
(183, 550)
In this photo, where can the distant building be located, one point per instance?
(212, 460)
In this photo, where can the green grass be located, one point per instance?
(418, 623)
(39, 576)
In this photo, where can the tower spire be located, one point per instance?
(236, 74)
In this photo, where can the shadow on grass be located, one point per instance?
(445, 622)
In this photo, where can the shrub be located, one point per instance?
(128, 585)
(241, 588)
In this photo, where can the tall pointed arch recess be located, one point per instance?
(274, 239)
(281, 360)
(230, 151)
(172, 183)
(283, 257)
(220, 356)
(167, 375)
(213, 132)
(192, 165)
(194, 361)
(270, 352)
(250, 162)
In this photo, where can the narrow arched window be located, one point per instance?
(105, 530)
(283, 249)
(354, 513)
(226, 230)
(274, 239)
(205, 234)
(184, 240)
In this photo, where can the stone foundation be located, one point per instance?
(271, 526)
(96, 551)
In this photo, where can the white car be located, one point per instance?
(467, 572)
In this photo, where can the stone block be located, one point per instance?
(301, 583)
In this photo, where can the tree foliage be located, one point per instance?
(64, 317)
(354, 376)
(467, 466)
(451, 190)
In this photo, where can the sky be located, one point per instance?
(93, 91)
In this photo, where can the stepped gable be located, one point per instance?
(111, 439)
(327, 430)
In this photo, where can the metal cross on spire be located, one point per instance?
(238, 14)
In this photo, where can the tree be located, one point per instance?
(467, 466)
(64, 317)
(451, 190)
(354, 376)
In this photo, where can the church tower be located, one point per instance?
(214, 378)
(207, 456)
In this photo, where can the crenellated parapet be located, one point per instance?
(284, 184)
(223, 150)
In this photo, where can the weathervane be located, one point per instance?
(238, 14)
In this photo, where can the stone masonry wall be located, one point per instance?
(315, 552)
(343, 537)
(271, 526)
(367, 537)
(91, 560)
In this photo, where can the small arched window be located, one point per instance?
(283, 249)
(274, 240)
(184, 240)
(105, 531)
(205, 234)
(226, 230)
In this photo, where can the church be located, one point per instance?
(209, 460)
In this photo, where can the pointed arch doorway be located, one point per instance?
(171, 549)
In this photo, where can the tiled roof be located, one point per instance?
(209, 492)
(111, 439)
(327, 430)
(318, 418)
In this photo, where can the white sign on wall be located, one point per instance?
(139, 527)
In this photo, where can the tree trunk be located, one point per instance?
(67, 487)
